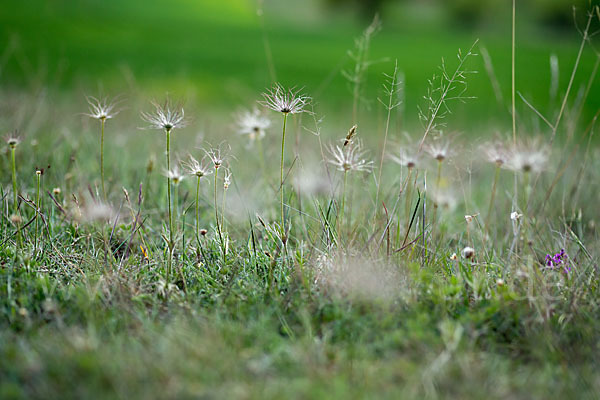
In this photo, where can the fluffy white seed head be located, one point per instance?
(101, 108)
(175, 175)
(252, 124)
(495, 152)
(165, 117)
(286, 101)
(197, 168)
(217, 154)
(349, 158)
(439, 150)
(12, 140)
(405, 157)
(529, 156)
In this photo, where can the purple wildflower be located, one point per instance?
(557, 259)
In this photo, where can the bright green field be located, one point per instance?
(215, 53)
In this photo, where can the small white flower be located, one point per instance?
(454, 257)
(469, 218)
(468, 252)
(515, 215)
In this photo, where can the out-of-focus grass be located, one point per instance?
(214, 52)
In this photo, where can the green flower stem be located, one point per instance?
(435, 204)
(281, 175)
(342, 208)
(102, 157)
(13, 161)
(407, 197)
(171, 240)
(217, 215)
(38, 210)
(197, 211)
(492, 197)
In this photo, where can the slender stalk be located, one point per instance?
(390, 106)
(102, 156)
(223, 213)
(492, 198)
(526, 194)
(217, 215)
(171, 240)
(435, 204)
(13, 162)
(573, 72)
(197, 212)
(406, 205)
(281, 175)
(514, 113)
(527, 190)
(37, 212)
(340, 221)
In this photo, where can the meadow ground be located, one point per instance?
(423, 254)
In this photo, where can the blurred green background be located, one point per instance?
(212, 52)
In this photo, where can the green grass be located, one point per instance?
(89, 315)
